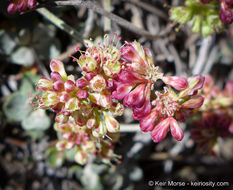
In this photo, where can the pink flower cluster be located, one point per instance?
(20, 5)
(86, 107)
(135, 85)
(216, 116)
(206, 132)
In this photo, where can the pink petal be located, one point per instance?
(160, 131)
(121, 91)
(148, 122)
(176, 131)
(195, 102)
(135, 97)
(179, 83)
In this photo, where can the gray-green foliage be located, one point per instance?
(22, 47)
(18, 109)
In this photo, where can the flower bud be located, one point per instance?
(61, 145)
(121, 91)
(63, 97)
(69, 86)
(55, 76)
(89, 76)
(99, 131)
(82, 94)
(56, 65)
(98, 83)
(179, 83)
(194, 84)
(58, 86)
(181, 14)
(196, 26)
(12, 8)
(91, 123)
(72, 104)
(129, 53)
(61, 119)
(68, 136)
(61, 127)
(117, 109)
(31, 4)
(81, 83)
(135, 97)
(88, 146)
(161, 130)
(111, 68)
(44, 84)
(22, 6)
(111, 123)
(148, 122)
(49, 98)
(195, 102)
(176, 131)
(80, 157)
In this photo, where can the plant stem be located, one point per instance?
(95, 7)
(60, 24)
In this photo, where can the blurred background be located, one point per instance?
(28, 41)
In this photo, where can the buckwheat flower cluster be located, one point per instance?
(134, 85)
(84, 107)
(212, 126)
(216, 116)
(216, 98)
(20, 5)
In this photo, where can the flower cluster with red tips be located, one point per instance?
(20, 5)
(216, 116)
(86, 107)
(134, 85)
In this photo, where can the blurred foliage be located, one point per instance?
(18, 109)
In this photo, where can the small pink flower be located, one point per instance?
(195, 102)
(135, 97)
(148, 122)
(81, 83)
(140, 112)
(129, 53)
(58, 86)
(98, 83)
(82, 94)
(176, 131)
(160, 131)
(69, 86)
(57, 65)
(55, 76)
(179, 83)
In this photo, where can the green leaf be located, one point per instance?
(54, 157)
(28, 83)
(23, 56)
(17, 107)
(26, 86)
(37, 120)
(69, 154)
(36, 134)
(7, 42)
